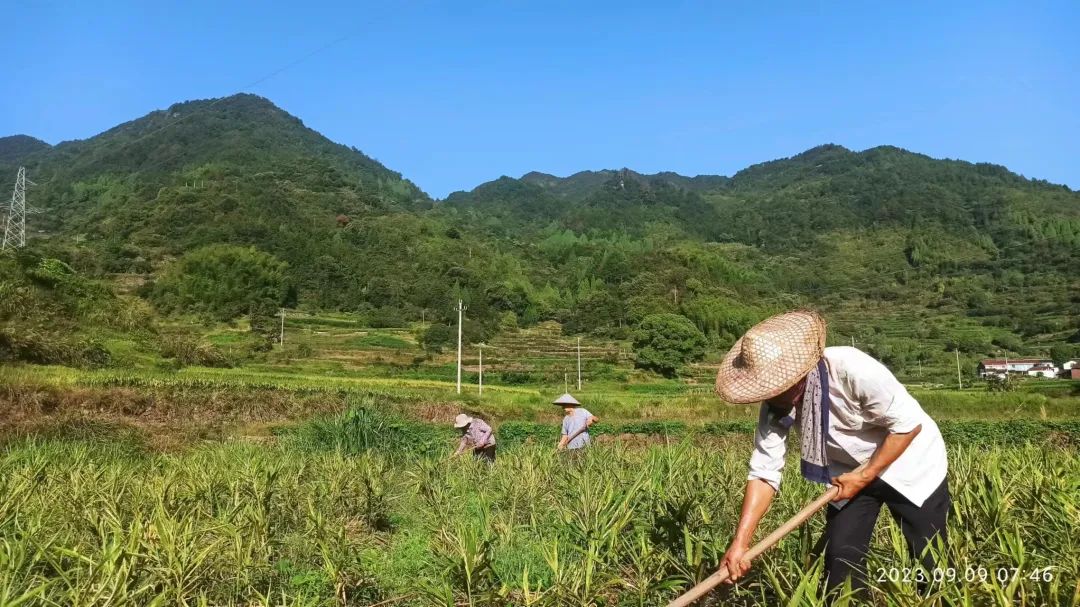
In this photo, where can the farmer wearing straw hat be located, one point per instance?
(575, 425)
(475, 432)
(849, 410)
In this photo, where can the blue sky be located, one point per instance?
(455, 94)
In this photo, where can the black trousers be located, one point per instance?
(487, 454)
(848, 530)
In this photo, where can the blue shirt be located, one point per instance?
(574, 421)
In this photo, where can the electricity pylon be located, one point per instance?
(15, 227)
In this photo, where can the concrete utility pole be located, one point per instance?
(852, 341)
(460, 312)
(579, 364)
(958, 379)
(15, 226)
(481, 369)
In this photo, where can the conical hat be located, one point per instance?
(773, 356)
(462, 420)
(566, 399)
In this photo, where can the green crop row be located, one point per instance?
(364, 510)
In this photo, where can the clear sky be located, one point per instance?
(453, 94)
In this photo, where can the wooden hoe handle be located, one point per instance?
(771, 540)
(577, 434)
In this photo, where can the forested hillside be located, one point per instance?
(16, 147)
(232, 207)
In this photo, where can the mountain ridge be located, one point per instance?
(14, 148)
(706, 181)
(963, 243)
(238, 129)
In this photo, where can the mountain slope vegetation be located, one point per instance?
(910, 256)
(16, 147)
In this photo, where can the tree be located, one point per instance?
(1062, 354)
(223, 282)
(596, 311)
(436, 337)
(664, 342)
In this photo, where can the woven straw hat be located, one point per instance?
(773, 356)
(566, 400)
(462, 420)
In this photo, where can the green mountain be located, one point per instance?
(235, 170)
(220, 206)
(15, 148)
(828, 188)
(879, 235)
(587, 182)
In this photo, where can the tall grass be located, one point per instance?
(333, 517)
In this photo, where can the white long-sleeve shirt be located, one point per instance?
(868, 403)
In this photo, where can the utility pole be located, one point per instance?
(958, 379)
(481, 369)
(460, 312)
(579, 364)
(15, 226)
(565, 383)
(282, 333)
(852, 341)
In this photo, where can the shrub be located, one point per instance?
(386, 318)
(436, 337)
(46, 348)
(222, 281)
(364, 428)
(380, 340)
(1006, 383)
(50, 272)
(664, 342)
(186, 350)
(515, 378)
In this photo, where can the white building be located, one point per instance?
(1001, 366)
(1043, 370)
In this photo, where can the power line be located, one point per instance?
(215, 102)
(250, 85)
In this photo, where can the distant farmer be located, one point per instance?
(575, 424)
(849, 410)
(477, 434)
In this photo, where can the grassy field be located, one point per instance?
(363, 510)
(317, 475)
(613, 401)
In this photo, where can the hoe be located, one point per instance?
(771, 540)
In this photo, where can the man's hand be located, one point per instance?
(852, 483)
(735, 561)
